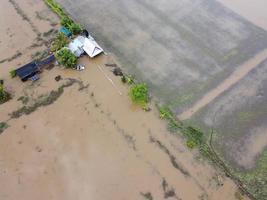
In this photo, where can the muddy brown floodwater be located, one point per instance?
(78, 138)
(95, 144)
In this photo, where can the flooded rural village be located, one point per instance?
(133, 99)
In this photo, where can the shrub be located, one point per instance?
(66, 21)
(166, 113)
(3, 126)
(4, 96)
(75, 28)
(123, 79)
(139, 94)
(55, 7)
(66, 58)
(60, 42)
(12, 73)
(194, 136)
(71, 25)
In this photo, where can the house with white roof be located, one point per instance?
(83, 44)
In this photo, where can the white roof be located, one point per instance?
(75, 47)
(91, 47)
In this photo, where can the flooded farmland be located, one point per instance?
(201, 58)
(81, 137)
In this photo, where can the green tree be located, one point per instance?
(66, 21)
(60, 41)
(66, 58)
(139, 94)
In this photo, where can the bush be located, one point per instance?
(4, 96)
(194, 136)
(139, 94)
(166, 113)
(60, 42)
(75, 28)
(66, 21)
(55, 7)
(12, 73)
(66, 58)
(71, 25)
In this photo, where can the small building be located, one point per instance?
(76, 46)
(27, 71)
(91, 47)
(65, 31)
(46, 61)
(30, 70)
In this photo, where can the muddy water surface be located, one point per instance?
(93, 144)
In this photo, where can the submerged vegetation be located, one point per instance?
(45, 100)
(166, 113)
(3, 126)
(71, 25)
(256, 178)
(60, 41)
(65, 19)
(66, 58)
(12, 73)
(4, 95)
(139, 94)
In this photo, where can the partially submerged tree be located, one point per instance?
(71, 25)
(139, 94)
(66, 58)
(4, 95)
(60, 42)
(12, 73)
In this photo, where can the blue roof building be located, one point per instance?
(27, 71)
(65, 31)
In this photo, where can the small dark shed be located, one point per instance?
(27, 71)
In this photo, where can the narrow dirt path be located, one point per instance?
(236, 76)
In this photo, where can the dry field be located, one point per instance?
(79, 138)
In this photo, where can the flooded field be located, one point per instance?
(171, 46)
(253, 11)
(79, 137)
(205, 59)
